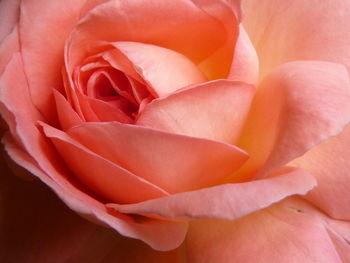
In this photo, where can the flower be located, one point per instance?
(190, 121)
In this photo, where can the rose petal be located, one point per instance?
(245, 65)
(339, 231)
(294, 111)
(163, 69)
(8, 47)
(214, 110)
(9, 12)
(194, 28)
(173, 162)
(38, 20)
(329, 163)
(100, 175)
(289, 30)
(66, 115)
(282, 233)
(41, 160)
(228, 201)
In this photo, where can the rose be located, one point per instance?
(292, 112)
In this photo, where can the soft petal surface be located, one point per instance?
(194, 28)
(339, 231)
(36, 227)
(214, 110)
(245, 64)
(288, 30)
(40, 159)
(228, 201)
(164, 70)
(38, 19)
(283, 233)
(8, 47)
(329, 163)
(173, 162)
(9, 11)
(66, 115)
(294, 111)
(100, 175)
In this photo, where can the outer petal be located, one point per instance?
(40, 159)
(173, 162)
(310, 103)
(283, 233)
(289, 30)
(9, 11)
(214, 110)
(228, 201)
(329, 163)
(38, 20)
(36, 227)
(8, 47)
(194, 28)
(100, 175)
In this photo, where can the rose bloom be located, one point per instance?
(183, 131)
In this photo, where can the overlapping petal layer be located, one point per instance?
(228, 201)
(293, 111)
(40, 159)
(214, 110)
(287, 232)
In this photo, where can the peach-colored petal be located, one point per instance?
(228, 201)
(36, 227)
(329, 163)
(245, 64)
(173, 162)
(100, 175)
(41, 160)
(283, 233)
(193, 28)
(38, 20)
(214, 110)
(296, 107)
(9, 12)
(228, 12)
(66, 115)
(164, 70)
(288, 30)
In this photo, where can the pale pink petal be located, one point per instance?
(214, 110)
(9, 12)
(99, 175)
(245, 64)
(283, 233)
(66, 115)
(288, 30)
(194, 28)
(44, 26)
(296, 107)
(228, 201)
(164, 70)
(40, 159)
(329, 163)
(173, 162)
(36, 227)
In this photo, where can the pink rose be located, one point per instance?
(194, 126)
